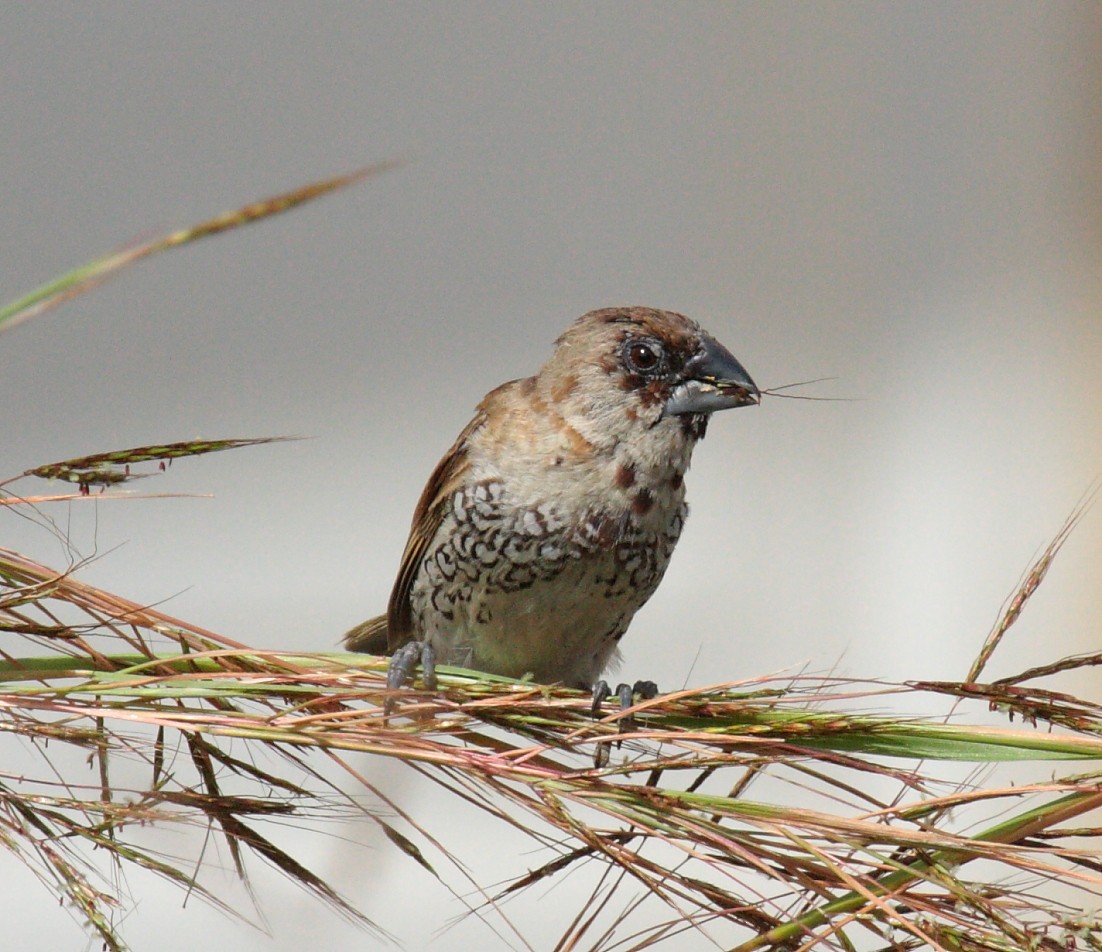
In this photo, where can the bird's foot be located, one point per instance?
(626, 693)
(400, 670)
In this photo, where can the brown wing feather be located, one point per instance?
(386, 633)
(431, 508)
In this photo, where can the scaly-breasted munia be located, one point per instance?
(550, 522)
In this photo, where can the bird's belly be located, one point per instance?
(563, 629)
(551, 605)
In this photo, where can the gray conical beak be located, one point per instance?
(712, 380)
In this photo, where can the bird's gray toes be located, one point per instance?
(400, 670)
(428, 666)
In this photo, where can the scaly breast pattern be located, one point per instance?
(531, 589)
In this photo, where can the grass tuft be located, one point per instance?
(670, 818)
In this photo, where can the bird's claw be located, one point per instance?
(400, 670)
(626, 694)
(601, 693)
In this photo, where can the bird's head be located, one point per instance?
(641, 366)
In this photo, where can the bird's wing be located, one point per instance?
(433, 506)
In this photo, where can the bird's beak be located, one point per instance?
(712, 380)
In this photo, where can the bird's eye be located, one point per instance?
(642, 356)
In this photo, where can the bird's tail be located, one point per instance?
(370, 637)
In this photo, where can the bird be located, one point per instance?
(551, 520)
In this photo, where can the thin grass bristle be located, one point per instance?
(776, 392)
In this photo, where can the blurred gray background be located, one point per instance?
(906, 196)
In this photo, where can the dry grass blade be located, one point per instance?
(94, 273)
